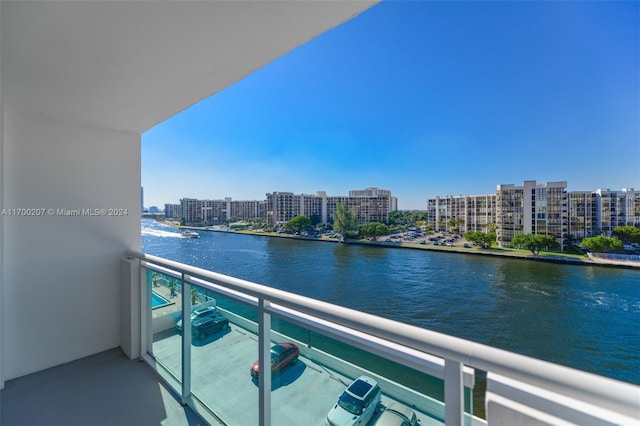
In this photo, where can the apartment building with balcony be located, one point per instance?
(583, 214)
(173, 211)
(247, 209)
(376, 192)
(531, 209)
(534, 208)
(371, 209)
(79, 83)
(477, 212)
(215, 212)
(599, 212)
(207, 210)
(282, 207)
(617, 208)
(369, 205)
(192, 211)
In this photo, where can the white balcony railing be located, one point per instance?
(520, 389)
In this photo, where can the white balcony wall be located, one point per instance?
(62, 273)
(80, 82)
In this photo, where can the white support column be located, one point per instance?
(186, 340)
(453, 393)
(146, 319)
(131, 302)
(264, 364)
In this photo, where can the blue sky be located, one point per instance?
(423, 99)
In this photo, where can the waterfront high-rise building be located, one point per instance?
(538, 209)
(282, 207)
(617, 208)
(376, 192)
(191, 210)
(221, 211)
(207, 211)
(368, 205)
(173, 211)
(531, 209)
(582, 214)
(600, 212)
(215, 212)
(476, 212)
(247, 210)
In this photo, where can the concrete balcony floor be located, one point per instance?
(103, 389)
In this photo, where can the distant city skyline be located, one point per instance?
(424, 99)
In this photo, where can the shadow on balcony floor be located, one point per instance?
(103, 389)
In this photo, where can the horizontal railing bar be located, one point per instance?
(417, 360)
(161, 269)
(601, 391)
(220, 290)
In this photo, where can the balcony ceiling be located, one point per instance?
(129, 65)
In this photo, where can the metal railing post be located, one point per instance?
(453, 393)
(264, 364)
(186, 340)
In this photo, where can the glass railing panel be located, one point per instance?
(223, 350)
(165, 302)
(293, 401)
(328, 366)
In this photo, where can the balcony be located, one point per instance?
(188, 378)
(81, 81)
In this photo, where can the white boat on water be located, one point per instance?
(188, 233)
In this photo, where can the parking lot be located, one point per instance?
(418, 237)
(302, 393)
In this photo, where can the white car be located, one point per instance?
(357, 404)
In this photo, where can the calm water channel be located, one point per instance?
(583, 317)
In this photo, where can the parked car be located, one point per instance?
(282, 354)
(357, 404)
(397, 414)
(202, 327)
(206, 312)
